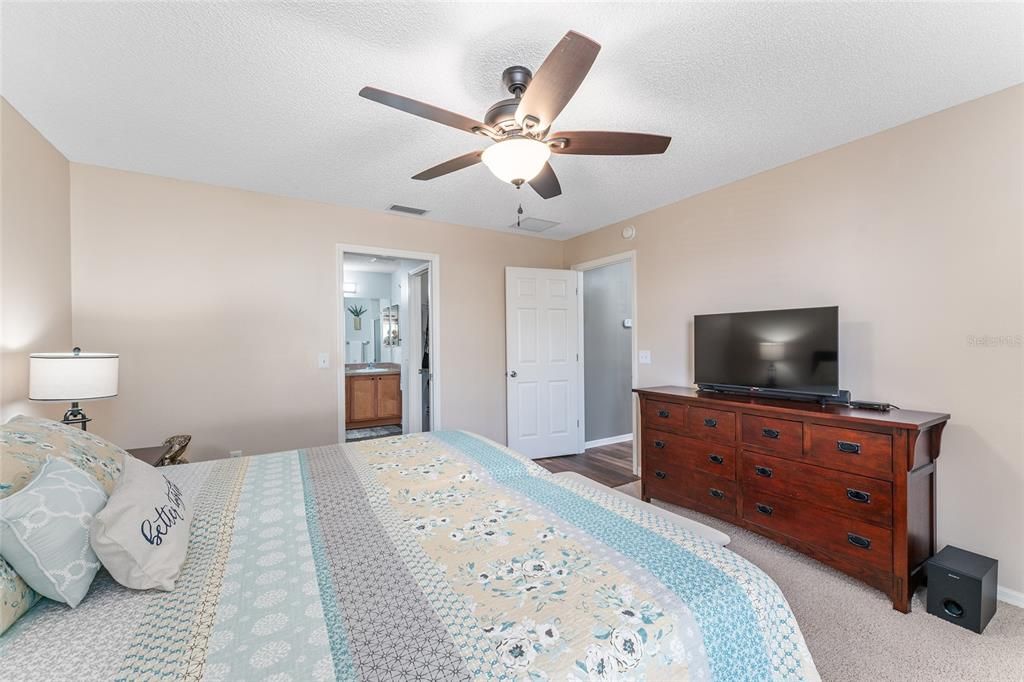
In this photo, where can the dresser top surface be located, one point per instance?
(910, 419)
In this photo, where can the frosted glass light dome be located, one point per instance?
(516, 160)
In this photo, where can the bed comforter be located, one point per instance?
(437, 556)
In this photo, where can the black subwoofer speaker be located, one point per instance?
(962, 587)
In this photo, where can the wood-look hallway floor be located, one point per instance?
(611, 465)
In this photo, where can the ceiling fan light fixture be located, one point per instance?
(516, 160)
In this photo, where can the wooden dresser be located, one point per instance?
(854, 489)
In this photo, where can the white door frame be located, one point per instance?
(414, 418)
(434, 261)
(630, 257)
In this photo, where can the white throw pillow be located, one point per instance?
(141, 536)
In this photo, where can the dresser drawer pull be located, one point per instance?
(858, 495)
(848, 447)
(711, 423)
(660, 474)
(764, 509)
(770, 433)
(660, 444)
(716, 459)
(763, 471)
(663, 414)
(858, 541)
(716, 493)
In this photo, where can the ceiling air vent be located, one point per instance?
(534, 225)
(407, 209)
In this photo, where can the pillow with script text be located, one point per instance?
(141, 536)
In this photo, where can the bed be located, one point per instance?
(440, 556)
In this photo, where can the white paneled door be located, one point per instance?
(542, 328)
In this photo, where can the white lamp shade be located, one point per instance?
(516, 159)
(68, 377)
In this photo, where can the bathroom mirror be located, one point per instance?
(371, 330)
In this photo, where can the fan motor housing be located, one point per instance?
(502, 115)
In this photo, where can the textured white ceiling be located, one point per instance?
(263, 96)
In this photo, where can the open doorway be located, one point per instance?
(609, 358)
(387, 336)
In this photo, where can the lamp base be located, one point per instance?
(76, 416)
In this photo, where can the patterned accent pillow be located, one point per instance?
(44, 531)
(16, 597)
(26, 442)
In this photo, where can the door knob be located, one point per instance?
(513, 374)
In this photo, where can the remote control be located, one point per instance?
(868, 405)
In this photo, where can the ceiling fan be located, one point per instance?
(519, 125)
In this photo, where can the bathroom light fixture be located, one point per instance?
(517, 159)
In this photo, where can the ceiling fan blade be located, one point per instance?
(601, 143)
(423, 110)
(449, 166)
(557, 80)
(545, 183)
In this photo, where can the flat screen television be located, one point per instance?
(782, 352)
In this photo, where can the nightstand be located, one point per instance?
(152, 455)
(171, 452)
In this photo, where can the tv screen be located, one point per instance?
(795, 351)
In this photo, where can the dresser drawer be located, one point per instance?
(847, 541)
(863, 452)
(669, 416)
(778, 435)
(867, 499)
(713, 458)
(670, 480)
(713, 424)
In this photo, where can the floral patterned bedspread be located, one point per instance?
(438, 556)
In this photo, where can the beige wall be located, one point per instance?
(219, 301)
(916, 233)
(35, 258)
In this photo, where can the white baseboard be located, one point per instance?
(611, 440)
(1010, 596)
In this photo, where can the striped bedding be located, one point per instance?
(438, 556)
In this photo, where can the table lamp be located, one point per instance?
(72, 377)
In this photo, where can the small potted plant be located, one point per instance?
(357, 316)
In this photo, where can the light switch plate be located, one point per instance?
(323, 361)
(645, 357)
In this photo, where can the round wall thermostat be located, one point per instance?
(628, 232)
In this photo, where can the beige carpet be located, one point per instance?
(853, 632)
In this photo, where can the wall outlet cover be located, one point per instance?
(645, 357)
(235, 453)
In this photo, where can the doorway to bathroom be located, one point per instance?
(388, 379)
